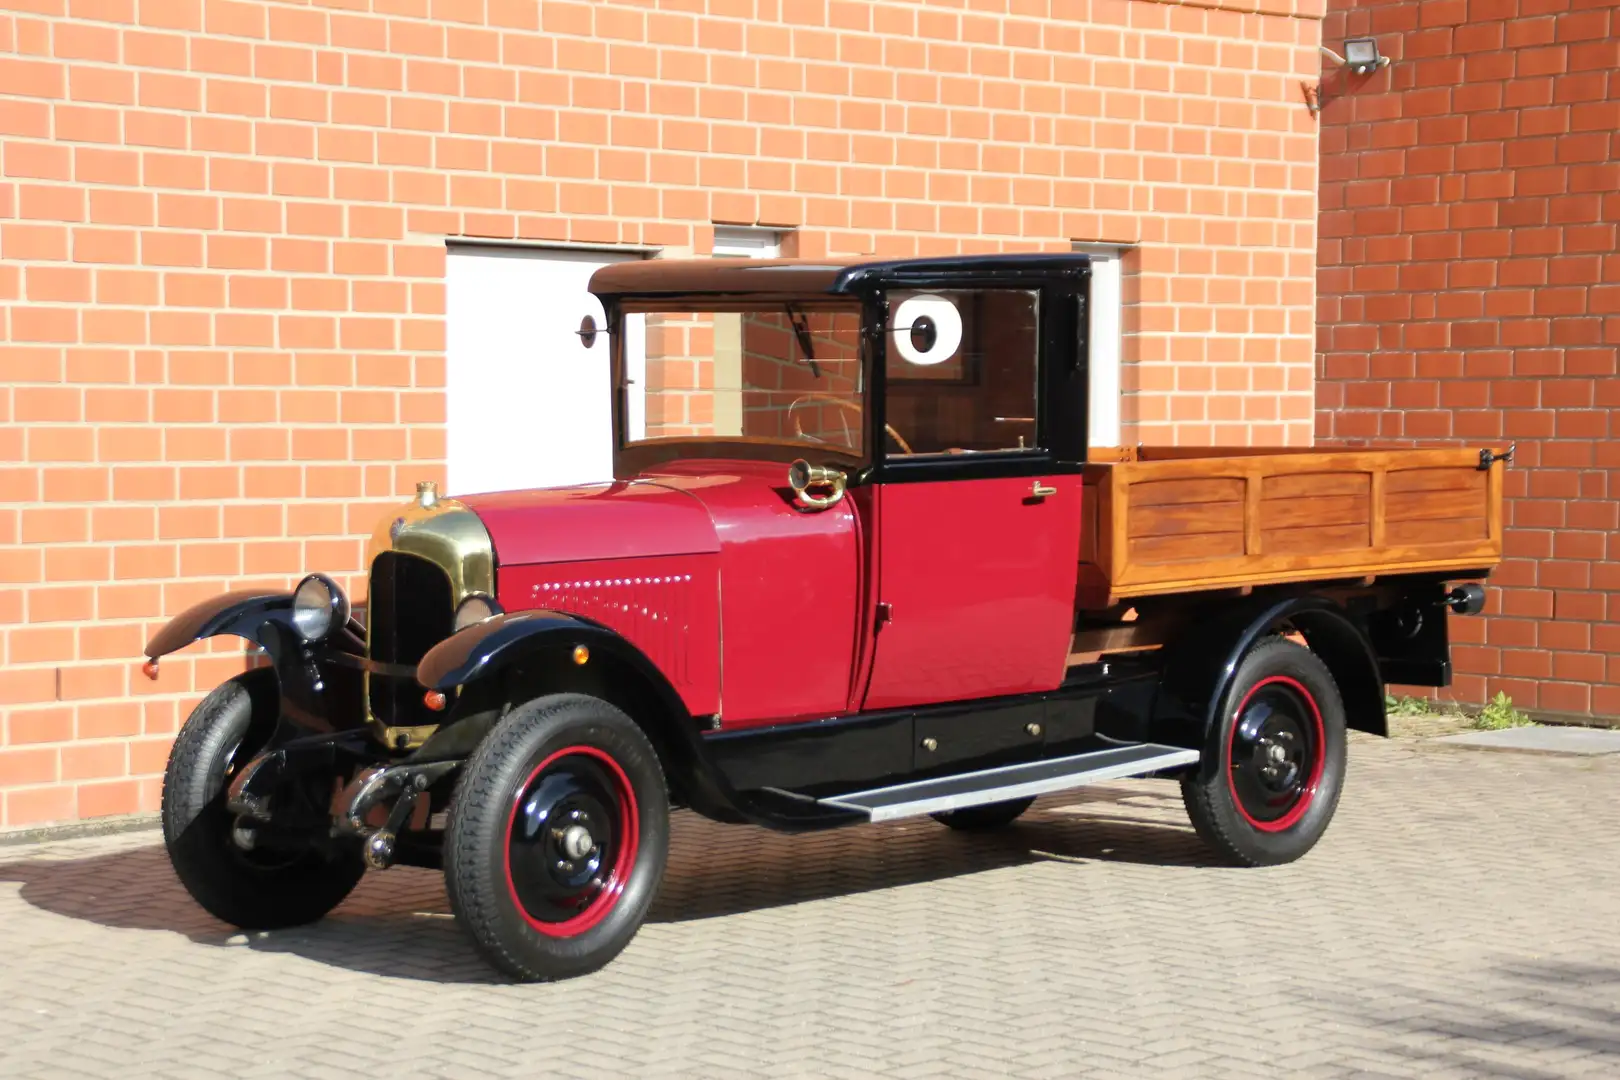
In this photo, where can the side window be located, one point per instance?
(961, 371)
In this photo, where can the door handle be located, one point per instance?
(1041, 491)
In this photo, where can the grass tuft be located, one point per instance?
(1499, 713)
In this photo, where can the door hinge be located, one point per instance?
(885, 614)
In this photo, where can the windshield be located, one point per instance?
(773, 373)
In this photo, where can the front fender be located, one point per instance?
(241, 613)
(471, 654)
(319, 683)
(480, 657)
(1199, 668)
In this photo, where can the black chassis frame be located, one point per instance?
(774, 776)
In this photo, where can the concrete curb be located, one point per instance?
(77, 830)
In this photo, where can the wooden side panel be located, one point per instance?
(1316, 512)
(1183, 520)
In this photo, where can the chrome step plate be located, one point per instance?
(1006, 782)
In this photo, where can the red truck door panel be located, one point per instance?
(979, 579)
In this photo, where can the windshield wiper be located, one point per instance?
(801, 330)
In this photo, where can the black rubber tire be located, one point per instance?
(1208, 790)
(996, 815)
(250, 890)
(484, 804)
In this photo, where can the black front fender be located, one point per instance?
(320, 683)
(471, 654)
(542, 644)
(240, 613)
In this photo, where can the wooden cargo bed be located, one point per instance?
(1190, 519)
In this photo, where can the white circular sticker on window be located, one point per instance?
(927, 329)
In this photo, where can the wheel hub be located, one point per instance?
(571, 841)
(577, 842)
(1275, 753)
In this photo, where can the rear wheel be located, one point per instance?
(557, 838)
(1274, 765)
(255, 889)
(997, 815)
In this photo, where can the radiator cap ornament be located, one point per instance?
(427, 494)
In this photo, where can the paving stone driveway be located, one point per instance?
(1459, 920)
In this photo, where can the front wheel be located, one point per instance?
(254, 889)
(1274, 764)
(557, 838)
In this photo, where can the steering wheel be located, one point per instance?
(844, 404)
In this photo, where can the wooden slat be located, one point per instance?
(1436, 530)
(1189, 520)
(1349, 461)
(1322, 510)
(1319, 538)
(1380, 504)
(1253, 544)
(1117, 510)
(1431, 505)
(1443, 479)
(1183, 492)
(1313, 485)
(1168, 549)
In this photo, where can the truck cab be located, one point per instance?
(856, 563)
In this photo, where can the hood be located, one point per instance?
(620, 520)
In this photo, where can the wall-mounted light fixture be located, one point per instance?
(1361, 55)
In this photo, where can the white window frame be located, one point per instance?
(746, 242)
(1106, 340)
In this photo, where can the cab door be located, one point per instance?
(977, 505)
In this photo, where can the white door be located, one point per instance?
(527, 404)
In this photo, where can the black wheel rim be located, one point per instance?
(571, 841)
(1274, 753)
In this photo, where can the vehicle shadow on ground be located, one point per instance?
(1560, 1011)
(398, 923)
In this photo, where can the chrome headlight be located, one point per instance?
(318, 606)
(474, 610)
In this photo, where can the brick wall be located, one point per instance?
(1470, 291)
(222, 229)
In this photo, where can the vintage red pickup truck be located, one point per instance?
(858, 564)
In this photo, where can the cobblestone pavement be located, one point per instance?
(1459, 919)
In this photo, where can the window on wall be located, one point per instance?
(1106, 340)
(746, 242)
(961, 370)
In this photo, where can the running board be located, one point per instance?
(1010, 781)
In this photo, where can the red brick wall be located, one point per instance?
(1470, 290)
(223, 224)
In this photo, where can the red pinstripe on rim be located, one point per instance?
(1306, 796)
(618, 877)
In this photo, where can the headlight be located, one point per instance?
(318, 606)
(474, 610)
